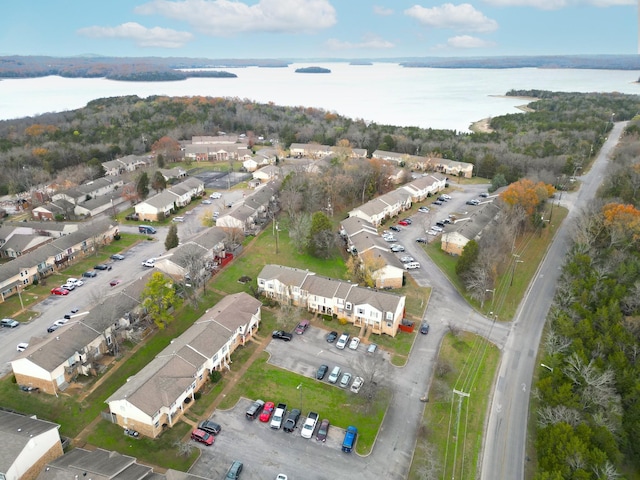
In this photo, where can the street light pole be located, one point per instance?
(513, 270)
(547, 367)
(493, 296)
(299, 387)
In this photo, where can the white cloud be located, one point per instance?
(467, 41)
(558, 4)
(368, 43)
(384, 11)
(143, 36)
(457, 17)
(226, 17)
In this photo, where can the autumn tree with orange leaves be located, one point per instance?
(168, 148)
(530, 196)
(623, 224)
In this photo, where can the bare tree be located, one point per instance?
(374, 370)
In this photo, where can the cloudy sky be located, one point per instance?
(318, 28)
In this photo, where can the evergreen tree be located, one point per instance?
(159, 183)
(172, 239)
(142, 185)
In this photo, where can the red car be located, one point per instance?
(265, 416)
(59, 291)
(202, 437)
(404, 223)
(115, 282)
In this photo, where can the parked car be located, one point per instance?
(404, 223)
(335, 374)
(117, 256)
(59, 291)
(102, 266)
(68, 286)
(342, 341)
(432, 233)
(267, 411)
(473, 201)
(281, 335)
(114, 282)
(22, 346)
(234, 470)
(150, 263)
(302, 327)
(178, 219)
(397, 248)
(437, 202)
(202, 437)
(345, 380)
(446, 197)
(424, 210)
(353, 345)
(292, 420)
(53, 328)
(132, 216)
(331, 336)
(9, 323)
(372, 348)
(323, 431)
(437, 228)
(411, 265)
(254, 410)
(215, 195)
(212, 428)
(407, 259)
(322, 371)
(357, 384)
(484, 194)
(281, 476)
(90, 274)
(424, 328)
(421, 240)
(395, 228)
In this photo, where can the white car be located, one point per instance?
(149, 263)
(68, 286)
(75, 281)
(357, 384)
(178, 219)
(215, 195)
(407, 259)
(432, 232)
(437, 228)
(353, 345)
(206, 202)
(444, 195)
(22, 346)
(411, 265)
(424, 210)
(342, 341)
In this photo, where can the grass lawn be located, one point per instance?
(262, 379)
(510, 286)
(450, 438)
(160, 451)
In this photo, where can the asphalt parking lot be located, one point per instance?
(266, 452)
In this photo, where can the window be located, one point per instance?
(361, 311)
(389, 316)
(109, 340)
(348, 307)
(261, 283)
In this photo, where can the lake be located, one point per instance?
(384, 93)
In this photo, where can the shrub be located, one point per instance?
(215, 376)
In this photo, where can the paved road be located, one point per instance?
(506, 433)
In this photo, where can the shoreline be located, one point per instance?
(482, 125)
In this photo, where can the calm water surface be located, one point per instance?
(383, 93)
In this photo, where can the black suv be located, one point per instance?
(210, 427)
(254, 410)
(281, 335)
(292, 420)
(331, 336)
(102, 266)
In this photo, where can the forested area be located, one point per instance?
(588, 419)
(559, 133)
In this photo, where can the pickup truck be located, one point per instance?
(278, 415)
(309, 425)
(292, 420)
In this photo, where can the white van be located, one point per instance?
(335, 374)
(411, 265)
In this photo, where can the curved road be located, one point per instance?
(506, 432)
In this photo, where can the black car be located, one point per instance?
(421, 240)
(292, 420)
(394, 228)
(117, 256)
(437, 202)
(484, 195)
(281, 335)
(331, 336)
(102, 266)
(322, 371)
(90, 274)
(424, 328)
(53, 328)
(210, 427)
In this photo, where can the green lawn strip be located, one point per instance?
(510, 288)
(460, 357)
(159, 451)
(340, 406)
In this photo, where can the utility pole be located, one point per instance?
(513, 270)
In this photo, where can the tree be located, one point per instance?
(374, 370)
(160, 161)
(158, 183)
(142, 185)
(362, 268)
(159, 299)
(168, 148)
(321, 237)
(299, 229)
(527, 194)
(468, 257)
(172, 240)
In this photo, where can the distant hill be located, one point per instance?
(312, 70)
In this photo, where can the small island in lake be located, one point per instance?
(361, 63)
(312, 70)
